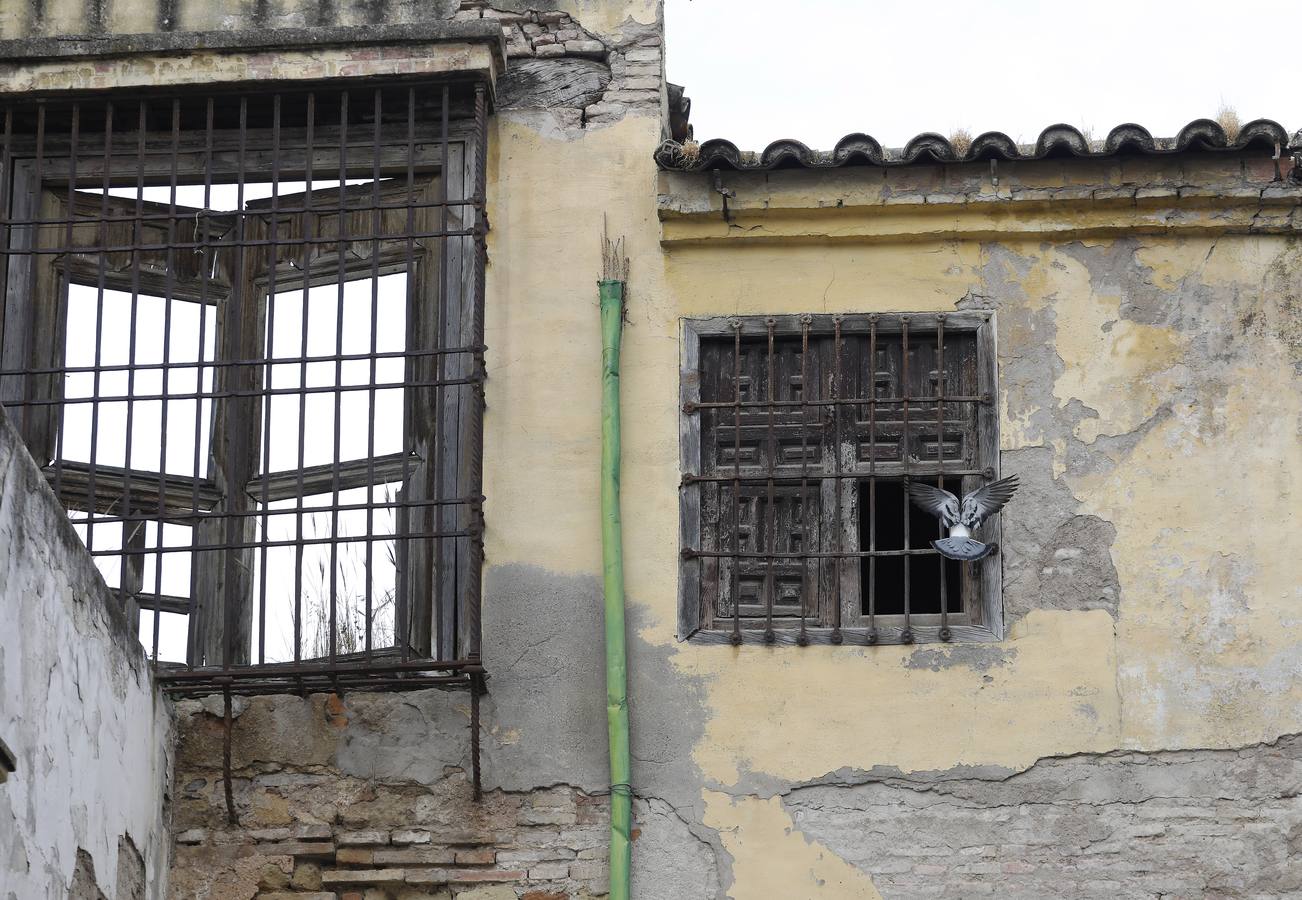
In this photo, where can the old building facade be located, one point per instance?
(1107, 705)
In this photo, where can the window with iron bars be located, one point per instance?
(243, 334)
(798, 436)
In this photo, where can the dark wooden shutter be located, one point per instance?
(753, 443)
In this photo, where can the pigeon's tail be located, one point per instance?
(962, 548)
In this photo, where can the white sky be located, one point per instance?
(815, 70)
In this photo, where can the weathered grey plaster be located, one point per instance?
(78, 706)
(546, 703)
(1193, 823)
(1053, 557)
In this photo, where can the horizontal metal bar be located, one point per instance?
(221, 244)
(851, 323)
(848, 401)
(319, 684)
(253, 545)
(856, 636)
(259, 392)
(353, 664)
(690, 553)
(188, 214)
(915, 469)
(228, 363)
(194, 518)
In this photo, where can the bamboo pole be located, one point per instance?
(611, 291)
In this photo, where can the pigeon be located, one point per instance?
(962, 518)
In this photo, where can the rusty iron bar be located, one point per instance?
(476, 778)
(770, 580)
(759, 482)
(736, 484)
(944, 632)
(847, 401)
(137, 262)
(871, 388)
(803, 638)
(906, 636)
(837, 574)
(227, 728)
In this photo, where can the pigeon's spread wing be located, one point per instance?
(984, 502)
(937, 501)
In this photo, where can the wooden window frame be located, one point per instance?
(985, 620)
(36, 327)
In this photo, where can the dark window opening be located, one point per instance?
(885, 574)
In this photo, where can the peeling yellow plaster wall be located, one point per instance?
(1190, 663)
(799, 716)
(772, 859)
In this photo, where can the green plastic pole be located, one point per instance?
(612, 570)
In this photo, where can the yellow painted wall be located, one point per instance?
(1203, 652)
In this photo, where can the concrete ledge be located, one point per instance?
(80, 46)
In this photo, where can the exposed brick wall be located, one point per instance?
(1182, 824)
(312, 827)
(636, 64)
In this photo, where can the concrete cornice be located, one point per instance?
(33, 50)
(804, 207)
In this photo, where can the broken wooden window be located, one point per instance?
(799, 433)
(242, 334)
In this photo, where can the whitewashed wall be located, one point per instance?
(79, 709)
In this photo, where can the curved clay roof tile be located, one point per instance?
(1129, 138)
(1061, 140)
(931, 145)
(1261, 133)
(787, 153)
(992, 145)
(858, 148)
(718, 153)
(1055, 141)
(1201, 134)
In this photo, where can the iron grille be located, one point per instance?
(799, 435)
(243, 334)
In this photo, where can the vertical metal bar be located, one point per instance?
(29, 380)
(376, 224)
(127, 508)
(770, 582)
(803, 638)
(235, 444)
(228, 721)
(439, 641)
(167, 358)
(736, 481)
(476, 688)
(65, 285)
(872, 478)
(940, 460)
(402, 613)
(194, 638)
(341, 250)
(101, 264)
(273, 262)
(838, 561)
(6, 177)
(906, 636)
(305, 259)
(475, 587)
